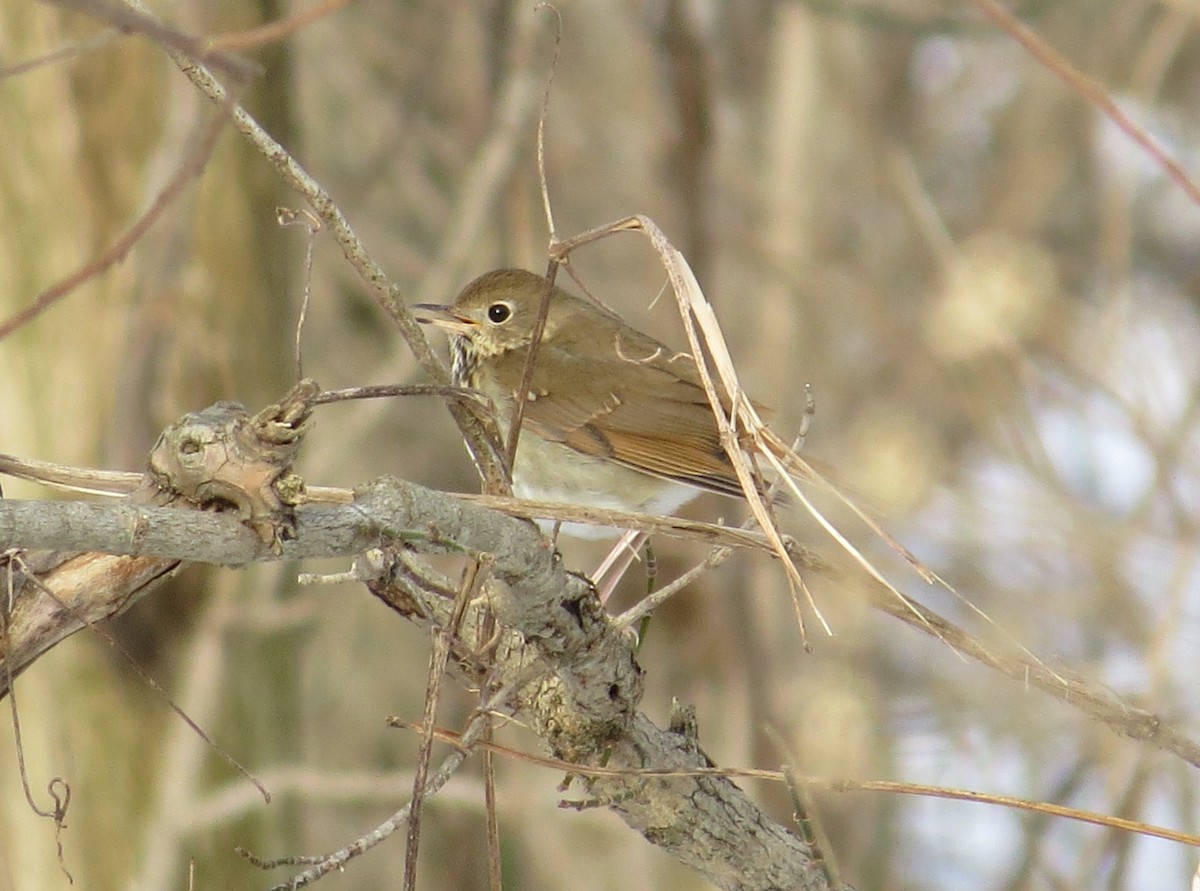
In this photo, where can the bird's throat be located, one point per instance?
(466, 356)
(463, 361)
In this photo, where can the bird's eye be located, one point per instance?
(498, 313)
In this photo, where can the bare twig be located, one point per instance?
(58, 789)
(285, 216)
(475, 575)
(191, 167)
(142, 674)
(521, 395)
(489, 464)
(130, 19)
(789, 775)
(1091, 91)
(338, 859)
(67, 51)
(543, 184)
(539, 325)
(651, 602)
(271, 32)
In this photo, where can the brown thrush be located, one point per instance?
(613, 419)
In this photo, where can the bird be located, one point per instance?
(613, 417)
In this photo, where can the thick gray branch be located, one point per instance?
(579, 685)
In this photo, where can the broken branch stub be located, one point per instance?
(216, 458)
(223, 457)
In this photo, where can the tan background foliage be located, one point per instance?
(992, 293)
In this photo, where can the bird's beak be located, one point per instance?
(443, 317)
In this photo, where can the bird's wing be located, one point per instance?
(656, 421)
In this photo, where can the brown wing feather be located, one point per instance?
(657, 421)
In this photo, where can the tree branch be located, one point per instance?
(572, 674)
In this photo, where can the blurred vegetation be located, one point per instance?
(992, 293)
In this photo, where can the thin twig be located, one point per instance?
(337, 859)
(192, 166)
(60, 54)
(522, 393)
(474, 575)
(129, 18)
(387, 391)
(132, 18)
(152, 684)
(58, 789)
(355, 252)
(541, 129)
(1093, 92)
(651, 602)
(285, 216)
(539, 324)
(788, 775)
(272, 32)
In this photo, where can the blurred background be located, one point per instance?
(992, 292)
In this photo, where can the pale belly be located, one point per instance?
(549, 471)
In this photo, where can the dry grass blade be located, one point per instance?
(758, 437)
(696, 313)
(744, 433)
(675, 527)
(787, 775)
(790, 465)
(69, 479)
